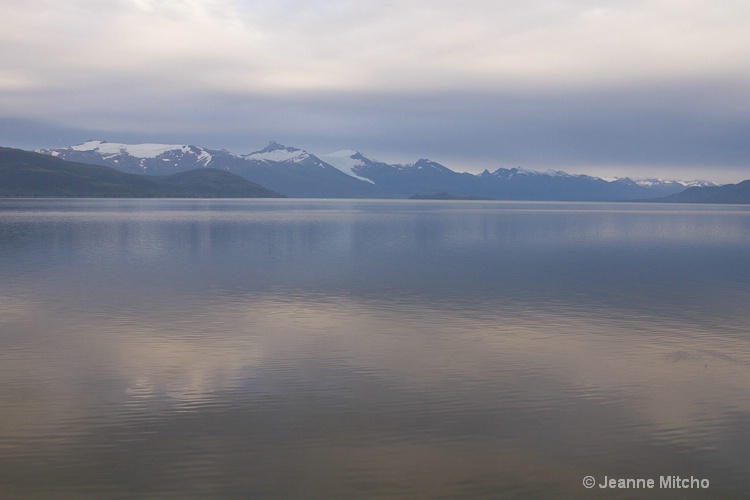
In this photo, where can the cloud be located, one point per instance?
(564, 81)
(261, 46)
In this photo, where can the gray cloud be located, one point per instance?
(652, 87)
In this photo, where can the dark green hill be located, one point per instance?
(729, 193)
(215, 183)
(27, 174)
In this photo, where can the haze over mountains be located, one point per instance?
(350, 174)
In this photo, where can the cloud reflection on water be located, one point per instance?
(405, 333)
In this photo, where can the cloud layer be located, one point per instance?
(643, 85)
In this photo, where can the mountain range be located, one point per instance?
(350, 174)
(29, 174)
(729, 193)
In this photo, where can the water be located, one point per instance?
(371, 349)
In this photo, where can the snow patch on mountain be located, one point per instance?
(278, 156)
(345, 161)
(135, 150)
(654, 182)
(278, 153)
(525, 171)
(558, 173)
(508, 173)
(657, 182)
(205, 157)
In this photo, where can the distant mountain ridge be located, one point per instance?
(347, 173)
(29, 174)
(729, 193)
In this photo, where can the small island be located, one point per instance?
(448, 196)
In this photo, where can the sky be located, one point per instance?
(645, 88)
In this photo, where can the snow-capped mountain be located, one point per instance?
(508, 173)
(347, 173)
(301, 174)
(150, 159)
(728, 193)
(276, 152)
(664, 182)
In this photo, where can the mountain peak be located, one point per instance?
(276, 152)
(275, 146)
(424, 163)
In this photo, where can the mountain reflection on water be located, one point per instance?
(392, 349)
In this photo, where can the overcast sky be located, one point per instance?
(609, 87)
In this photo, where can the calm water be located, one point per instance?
(371, 349)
